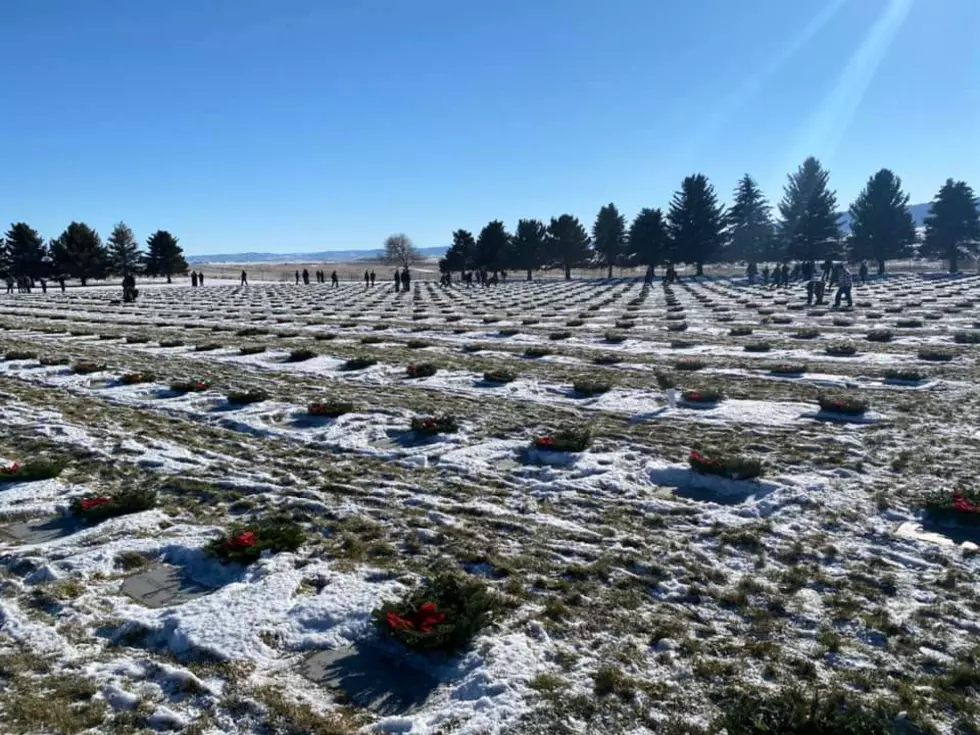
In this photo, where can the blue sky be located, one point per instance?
(286, 125)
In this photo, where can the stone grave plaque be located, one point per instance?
(371, 678)
(41, 530)
(162, 585)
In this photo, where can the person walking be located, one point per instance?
(44, 285)
(785, 274)
(751, 270)
(61, 282)
(244, 278)
(306, 277)
(297, 278)
(200, 278)
(863, 272)
(367, 280)
(398, 281)
(193, 279)
(334, 281)
(406, 279)
(844, 283)
(828, 269)
(372, 279)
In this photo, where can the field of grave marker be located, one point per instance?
(587, 506)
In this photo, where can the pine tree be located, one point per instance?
(953, 224)
(750, 227)
(882, 227)
(493, 246)
(609, 236)
(460, 256)
(123, 251)
(648, 242)
(809, 228)
(25, 255)
(696, 222)
(529, 245)
(164, 257)
(568, 244)
(78, 253)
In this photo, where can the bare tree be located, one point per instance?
(399, 250)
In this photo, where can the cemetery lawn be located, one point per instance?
(630, 594)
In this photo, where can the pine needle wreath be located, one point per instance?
(565, 440)
(704, 395)
(443, 615)
(500, 376)
(190, 386)
(244, 543)
(135, 378)
(445, 424)
(359, 363)
(20, 355)
(591, 386)
(959, 506)
(732, 467)
(86, 368)
(32, 471)
(93, 507)
(421, 370)
(844, 405)
(329, 408)
(245, 397)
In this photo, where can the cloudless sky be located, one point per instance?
(300, 125)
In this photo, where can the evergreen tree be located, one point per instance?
(460, 256)
(78, 253)
(750, 227)
(649, 240)
(164, 257)
(953, 224)
(25, 254)
(882, 227)
(529, 245)
(809, 228)
(609, 236)
(493, 246)
(568, 244)
(696, 222)
(123, 251)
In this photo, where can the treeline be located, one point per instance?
(697, 229)
(79, 252)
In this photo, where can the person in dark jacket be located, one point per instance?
(406, 279)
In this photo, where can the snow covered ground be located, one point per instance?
(639, 596)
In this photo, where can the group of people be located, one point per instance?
(817, 281)
(403, 280)
(368, 279)
(25, 284)
(321, 277)
(197, 279)
(482, 276)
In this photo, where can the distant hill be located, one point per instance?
(919, 214)
(336, 256)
